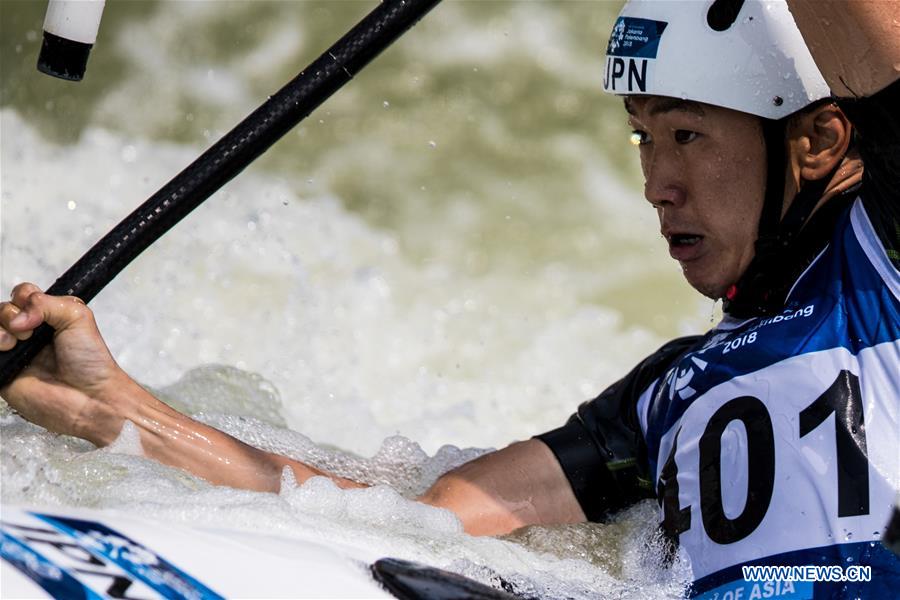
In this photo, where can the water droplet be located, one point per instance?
(386, 104)
(432, 143)
(31, 35)
(72, 205)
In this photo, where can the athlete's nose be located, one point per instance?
(664, 183)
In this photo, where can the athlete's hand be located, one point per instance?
(73, 386)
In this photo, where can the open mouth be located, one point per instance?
(685, 247)
(680, 240)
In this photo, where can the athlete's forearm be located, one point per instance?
(76, 388)
(856, 44)
(177, 440)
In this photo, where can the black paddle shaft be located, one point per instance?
(223, 161)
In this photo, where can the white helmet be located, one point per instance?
(746, 56)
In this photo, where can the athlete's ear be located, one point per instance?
(819, 139)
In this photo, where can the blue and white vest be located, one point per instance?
(777, 441)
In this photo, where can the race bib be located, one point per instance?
(801, 454)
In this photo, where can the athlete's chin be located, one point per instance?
(710, 285)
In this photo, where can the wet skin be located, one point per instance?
(705, 173)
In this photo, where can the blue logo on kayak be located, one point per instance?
(86, 560)
(132, 557)
(635, 37)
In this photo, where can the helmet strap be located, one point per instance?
(774, 133)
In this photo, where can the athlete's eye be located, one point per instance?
(638, 138)
(685, 136)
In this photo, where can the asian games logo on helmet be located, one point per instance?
(616, 37)
(632, 43)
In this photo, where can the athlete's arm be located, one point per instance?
(522, 484)
(856, 45)
(75, 387)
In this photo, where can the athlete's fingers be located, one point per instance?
(7, 341)
(37, 307)
(9, 312)
(13, 316)
(21, 292)
(19, 299)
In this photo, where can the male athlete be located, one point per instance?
(770, 440)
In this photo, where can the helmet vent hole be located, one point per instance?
(723, 13)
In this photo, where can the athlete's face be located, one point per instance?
(705, 173)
